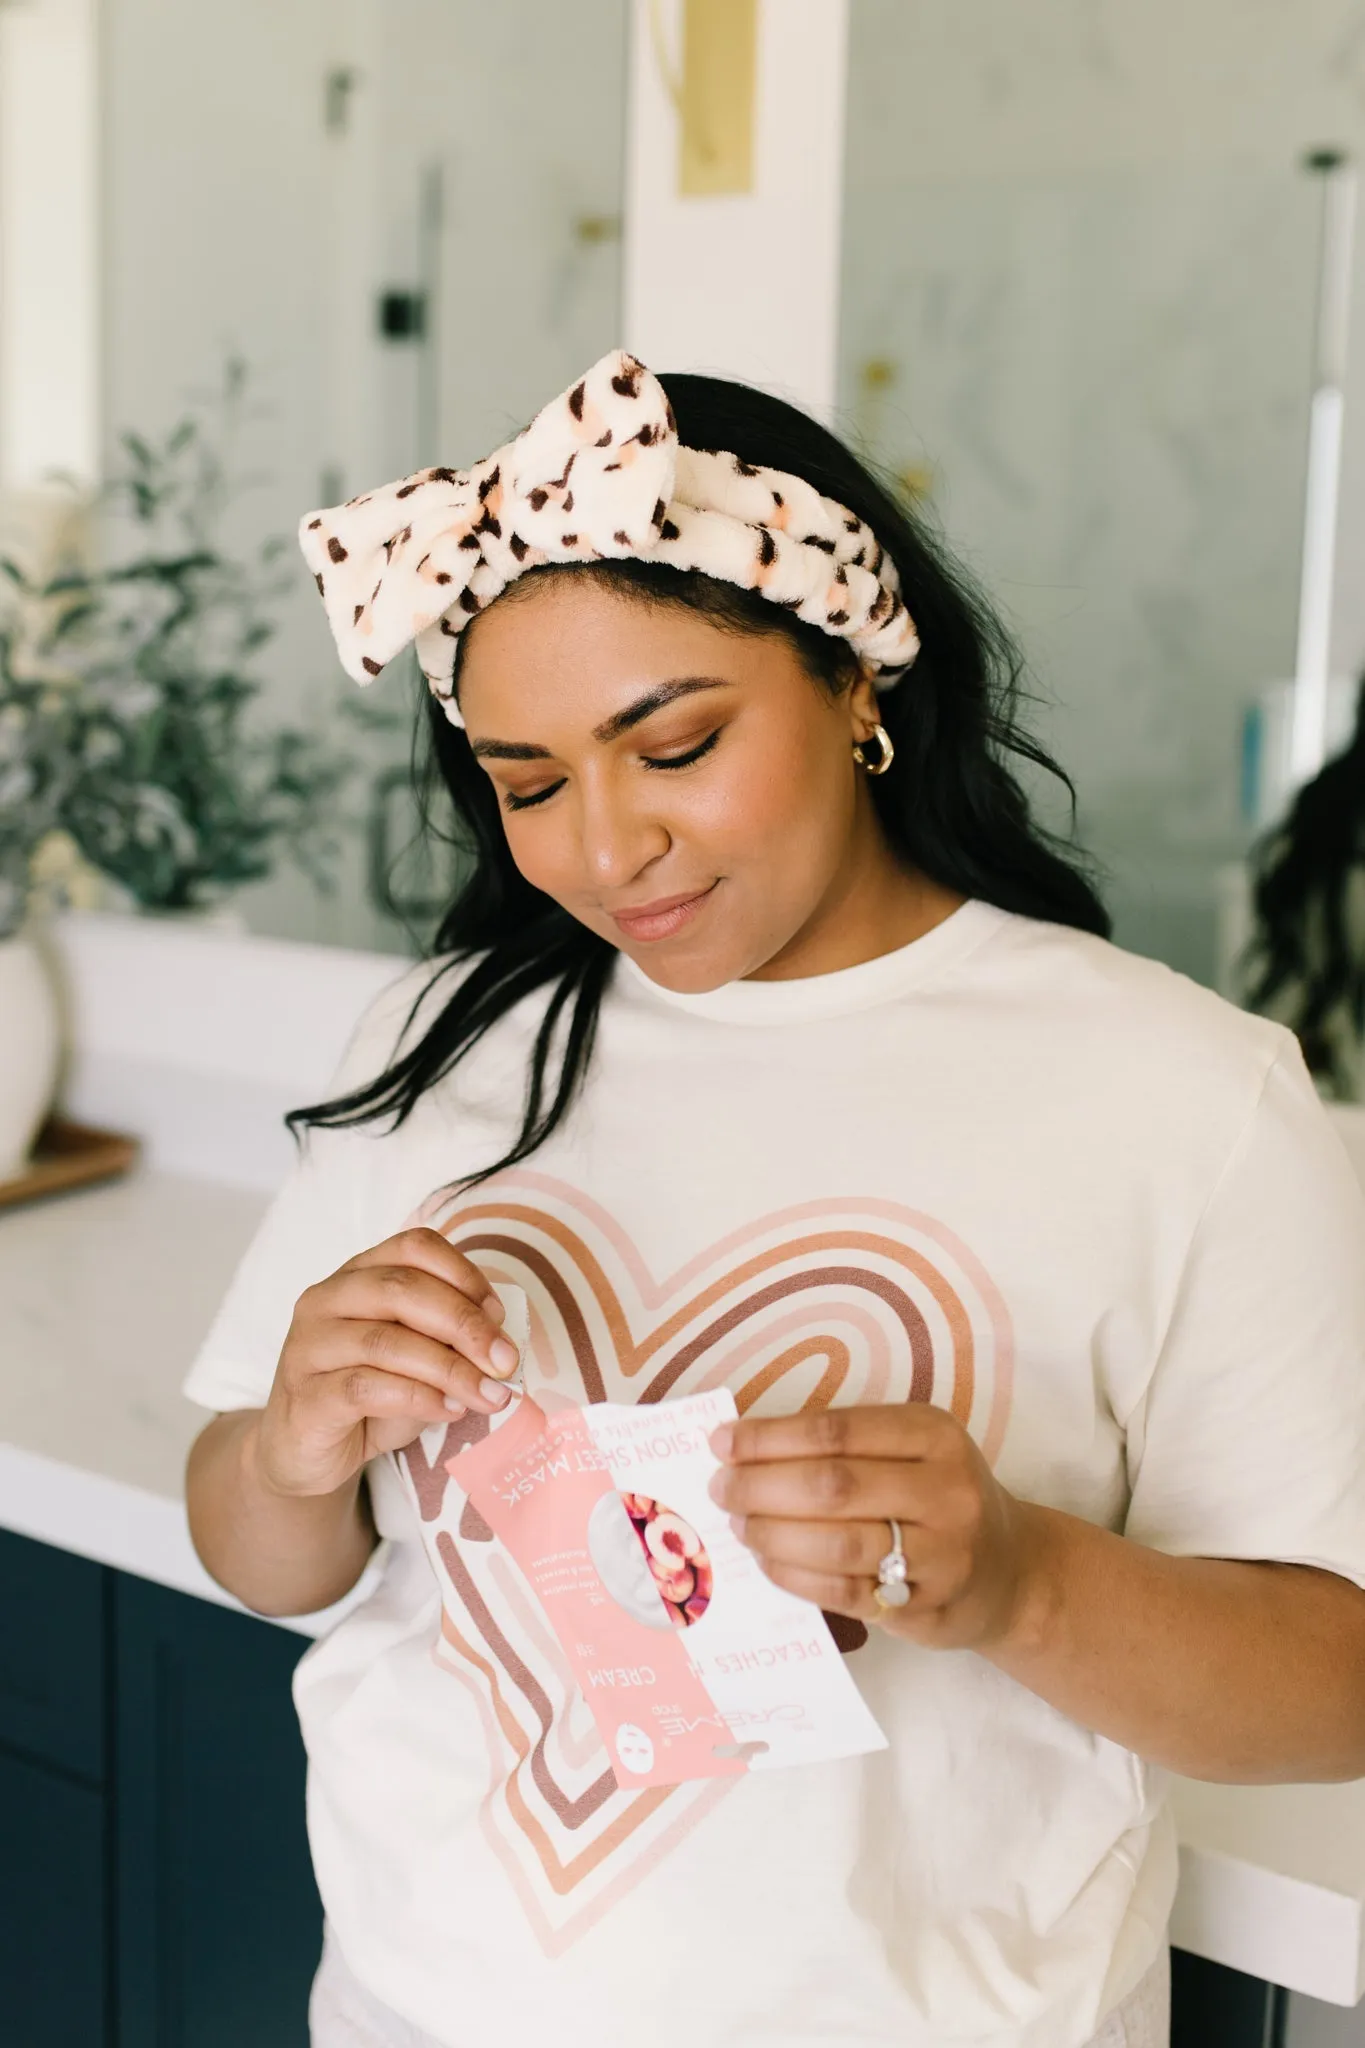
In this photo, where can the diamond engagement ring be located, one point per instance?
(893, 1573)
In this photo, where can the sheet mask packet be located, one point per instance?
(692, 1662)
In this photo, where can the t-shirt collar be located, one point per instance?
(846, 990)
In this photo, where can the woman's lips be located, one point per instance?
(662, 919)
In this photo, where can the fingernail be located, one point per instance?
(497, 1394)
(493, 1308)
(718, 1486)
(738, 1524)
(503, 1355)
(455, 1407)
(722, 1439)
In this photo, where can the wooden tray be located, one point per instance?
(66, 1156)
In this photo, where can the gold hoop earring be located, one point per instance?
(886, 753)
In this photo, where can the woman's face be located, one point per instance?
(688, 793)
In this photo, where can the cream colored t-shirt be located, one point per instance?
(1076, 1199)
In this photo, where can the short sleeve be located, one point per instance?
(1250, 1442)
(315, 1223)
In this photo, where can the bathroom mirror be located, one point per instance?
(386, 213)
(1079, 277)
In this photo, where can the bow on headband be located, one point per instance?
(599, 475)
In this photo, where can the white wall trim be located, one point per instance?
(49, 242)
(746, 286)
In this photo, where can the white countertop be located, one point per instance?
(104, 1297)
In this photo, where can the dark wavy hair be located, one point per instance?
(1304, 948)
(951, 804)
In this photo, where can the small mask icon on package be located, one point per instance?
(692, 1663)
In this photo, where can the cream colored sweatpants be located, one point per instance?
(343, 2014)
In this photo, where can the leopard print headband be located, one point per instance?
(599, 475)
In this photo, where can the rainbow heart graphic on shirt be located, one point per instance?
(856, 1300)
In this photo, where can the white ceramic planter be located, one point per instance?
(29, 1049)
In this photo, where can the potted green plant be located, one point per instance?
(183, 793)
(132, 755)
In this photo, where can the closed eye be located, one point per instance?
(525, 803)
(682, 760)
(512, 802)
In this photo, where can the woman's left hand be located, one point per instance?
(812, 1496)
(1220, 1668)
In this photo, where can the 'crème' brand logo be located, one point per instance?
(856, 1300)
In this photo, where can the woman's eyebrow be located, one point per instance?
(611, 728)
(508, 750)
(652, 701)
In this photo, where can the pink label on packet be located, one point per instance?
(547, 1493)
(692, 1662)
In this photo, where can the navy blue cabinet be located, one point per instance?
(155, 1888)
(55, 1841)
(1212, 2005)
(54, 1951)
(53, 1657)
(219, 1925)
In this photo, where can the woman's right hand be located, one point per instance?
(401, 1337)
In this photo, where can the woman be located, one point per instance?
(1307, 958)
(772, 1044)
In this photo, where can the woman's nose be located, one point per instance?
(620, 838)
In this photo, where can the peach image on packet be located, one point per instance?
(692, 1663)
